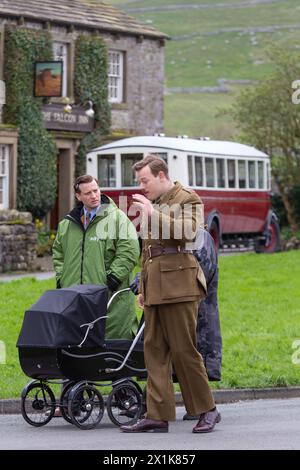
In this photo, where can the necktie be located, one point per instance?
(87, 219)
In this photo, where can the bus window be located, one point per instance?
(107, 171)
(251, 173)
(268, 184)
(128, 160)
(231, 173)
(220, 172)
(242, 173)
(261, 175)
(199, 171)
(162, 155)
(190, 170)
(209, 170)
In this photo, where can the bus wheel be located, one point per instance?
(272, 242)
(214, 232)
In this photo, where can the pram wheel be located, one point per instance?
(85, 406)
(38, 404)
(124, 404)
(64, 401)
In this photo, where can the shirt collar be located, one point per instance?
(93, 212)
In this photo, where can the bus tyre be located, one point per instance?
(272, 242)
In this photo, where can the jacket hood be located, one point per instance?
(107, 204)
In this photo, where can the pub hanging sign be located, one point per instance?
(54, 117)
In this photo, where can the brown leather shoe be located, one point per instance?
(147, 425)
(207, 421)
(134, 411)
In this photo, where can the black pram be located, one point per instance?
(62, 340)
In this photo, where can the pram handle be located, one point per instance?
(127, 289)
(108, 371)
(90, 325)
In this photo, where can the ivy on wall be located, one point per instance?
(37, 183)
(91, 83)
(36, 147)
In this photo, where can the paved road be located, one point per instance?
(259, 424)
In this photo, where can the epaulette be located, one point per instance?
(187, 190)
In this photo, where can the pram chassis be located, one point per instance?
(81, 402)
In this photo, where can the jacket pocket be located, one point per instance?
(178, 278)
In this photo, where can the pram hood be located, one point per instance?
(54, 320)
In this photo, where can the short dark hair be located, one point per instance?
(83, 179)
(156, 164)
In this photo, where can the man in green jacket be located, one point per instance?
(97, 244)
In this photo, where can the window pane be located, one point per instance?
(242, 173)
(107, 171)
(199, 171)
(268, 176)
(231, 173)
(60, 52)
(128, 160)
(260, 175)
(209, 169)
(115, 76)
(251, 172)
(4, 184)
(190, 170)
(162, 155)
(221, 172)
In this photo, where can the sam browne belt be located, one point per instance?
(154, 251)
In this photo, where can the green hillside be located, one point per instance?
(214, 40)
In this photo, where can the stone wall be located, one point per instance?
(142, 112)
(18, 238)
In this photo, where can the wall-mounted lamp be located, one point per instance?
(90, 112)
(67, 106)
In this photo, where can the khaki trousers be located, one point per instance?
(170, 338)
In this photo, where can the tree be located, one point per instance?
(269, 120)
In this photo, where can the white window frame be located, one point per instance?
(4, 157)
(115, 76)
(64, 57)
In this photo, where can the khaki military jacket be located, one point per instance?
(172, 277)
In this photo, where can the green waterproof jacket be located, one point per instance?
(109, 245)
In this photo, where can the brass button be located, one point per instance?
(150, 261)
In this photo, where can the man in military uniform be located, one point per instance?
(172, 284)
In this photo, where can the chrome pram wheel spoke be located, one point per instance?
(85, 406)
(38, 404)
(124, 404)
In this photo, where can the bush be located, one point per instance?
(45, 239)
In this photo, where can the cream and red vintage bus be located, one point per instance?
(232, 179)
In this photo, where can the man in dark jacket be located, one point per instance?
(209, 339)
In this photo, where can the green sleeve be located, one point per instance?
(127, 249)
(58, 256)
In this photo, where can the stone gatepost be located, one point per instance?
(18, 239)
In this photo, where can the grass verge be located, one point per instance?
(259, 301)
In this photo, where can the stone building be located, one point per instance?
(135, 82)
(135, 92)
